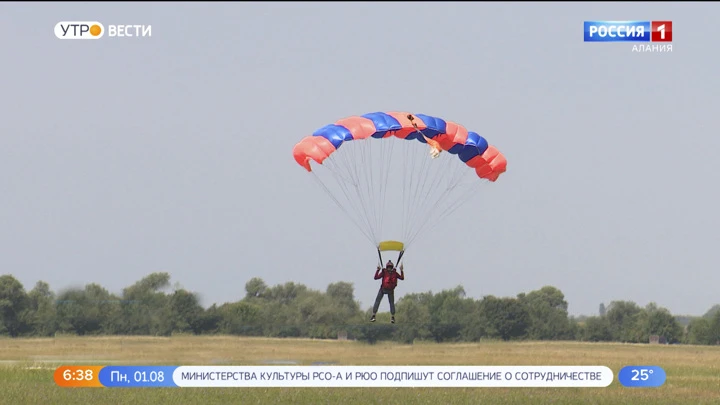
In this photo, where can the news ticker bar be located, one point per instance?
(355, 376)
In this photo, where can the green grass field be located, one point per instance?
(693, 372)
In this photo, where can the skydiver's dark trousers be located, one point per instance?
(391, 299)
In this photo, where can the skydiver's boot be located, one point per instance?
(372, 318)
(392, 319)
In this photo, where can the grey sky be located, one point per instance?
(126, 156)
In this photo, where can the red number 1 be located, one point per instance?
(661, 31)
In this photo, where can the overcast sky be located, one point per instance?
(125, 156)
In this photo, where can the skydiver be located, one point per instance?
(389, 282)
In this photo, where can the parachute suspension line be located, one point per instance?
(409, 218)
(411, 192)
(369, 186)
(362, 191)
(385, 184)
(365, 183)
(408, 191)
(407, 185)
(353, 172)
(416, 172)
(434, 181)
(362, 174)
(419, 192)
(376, 176)
(451, 208)
(418, 215)
(452, 204)
(350, 204)
(371, 183)
(429, 186)
(352, 159)
(345, 187)
(353, 163)
(403, 189)
(427, 190)
(432, 197)
(324, 187)
(364, 180)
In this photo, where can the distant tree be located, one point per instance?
(712, 311)
(414, 319)
(150, 307)
(88, 311)
(597, 329)
(256, 287)
(342, 295)
(185, 312)
(548, 314)
(684, 320)
(449, 311)
(659, 321)
(623, 317)
(145, 307)
(42, 317)
(505, 318)
(209, 320)
(714, 329)
(475, 327)
(699, 332)
(240, 318)
(285, 293)
(14, 304)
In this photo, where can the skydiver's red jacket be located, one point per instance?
(389, 279)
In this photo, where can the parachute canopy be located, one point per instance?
(358, 153)
(471, 148)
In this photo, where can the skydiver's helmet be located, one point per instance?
(389, 265)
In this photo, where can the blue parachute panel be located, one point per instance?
(435, 126)
(336, 134)
(475, 145)
(383, 123)
(456, 149)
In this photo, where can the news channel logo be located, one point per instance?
(96, 30)
(646, 36)
(79, 30)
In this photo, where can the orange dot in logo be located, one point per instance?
(95, 30)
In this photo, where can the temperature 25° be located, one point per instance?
(641, 376)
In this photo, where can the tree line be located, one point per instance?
(151, 307)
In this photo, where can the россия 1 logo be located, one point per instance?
(96, 30)
(657, 32)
